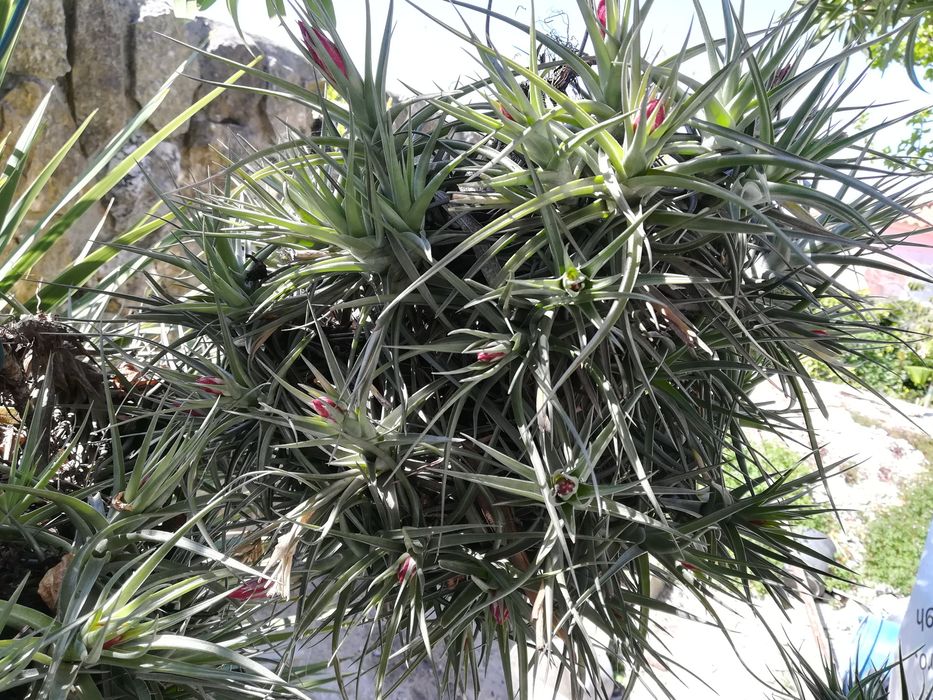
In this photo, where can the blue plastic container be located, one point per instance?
(875, 648)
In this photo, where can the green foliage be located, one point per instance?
(922, 55)
(51, 424)
(825, 682)
(862, 19)
(891, 357)
(142, 602)
(906, 29)
(12, 13)
(515, 359)
(916, 147)
(776, 459)
(895, 537)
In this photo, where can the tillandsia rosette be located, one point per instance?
(497, 375)
(541, 302)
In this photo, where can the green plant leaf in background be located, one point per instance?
(12, 14)
(188, 9)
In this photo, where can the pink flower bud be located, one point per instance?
(406, 569)
(819, 331)
(253, 589)
(500, 613)
(601, 14)
(487, 356)
(505, 113)
(657, 109)
(205, 382)
(329, 46)
(320, 407)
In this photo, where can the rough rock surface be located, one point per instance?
(16, 109)
(109, 58)
(100, 75)
(158, 172)
(47, 58)
(280, 63)
(156, 21)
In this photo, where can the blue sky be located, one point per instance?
(424, 55)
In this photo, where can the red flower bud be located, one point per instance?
(253, 589)
(406, 569)
(819, 331)
(505, 113)
(110, 643)
(486, 356)
(320, 407)
(601, 15)
(688, 566)
(656, 108)
(329, 46)
(205, 382)
(500, 613)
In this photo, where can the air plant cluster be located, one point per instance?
(469, 371)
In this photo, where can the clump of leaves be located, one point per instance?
(826, 681)
(906, 32)
(466, 370)
(891, 354)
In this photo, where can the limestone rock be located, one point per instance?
(16, 109)
(158, 172)
(284, 114)
(100, 71)
(155, 56)
(238, 107)
(241, 117)
(210, 145)
(119, 59)
(65, 251)
(42, 47)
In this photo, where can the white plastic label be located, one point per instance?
(916, 636)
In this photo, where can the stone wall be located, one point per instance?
(107, 58)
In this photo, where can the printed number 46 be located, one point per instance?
(925, 618)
